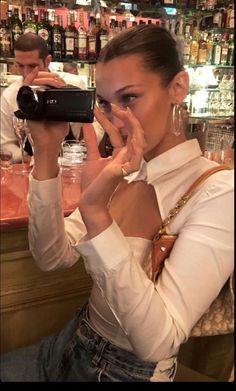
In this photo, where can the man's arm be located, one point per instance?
(8, 137)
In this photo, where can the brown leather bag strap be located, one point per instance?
(174, 211)
(202, 178)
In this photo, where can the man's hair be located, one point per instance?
(30, 41)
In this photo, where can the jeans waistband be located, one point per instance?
(102, 349)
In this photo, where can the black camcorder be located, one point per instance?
(68, 104)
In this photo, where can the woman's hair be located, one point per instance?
(156, 46)
(30, 41)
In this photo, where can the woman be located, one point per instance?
(131, 329)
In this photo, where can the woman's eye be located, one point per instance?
(104, 106)
(127, 100)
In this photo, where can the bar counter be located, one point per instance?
(33, 303)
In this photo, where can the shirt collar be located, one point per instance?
(167, 162)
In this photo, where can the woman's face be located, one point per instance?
(125, 82)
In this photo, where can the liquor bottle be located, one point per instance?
(9, 28)
(103, 33)
(180, 33)
(96, 31)
(230, 17)
(224, 49)
(216, 51)
(17, 29)
(60, 21)
(209, 49)
(57, 38)
(29, 26)
(82, 38)
(187, 45)
(230, 59)
(202, 50)
(124, 24)
(5, 40)
(223, 17)
(217, 18)
(91, 40)
(194, 48)
(112, 32)
(71, 38)
(44, 29)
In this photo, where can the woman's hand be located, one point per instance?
(100, 176)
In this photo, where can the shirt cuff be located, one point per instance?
(47, 191)
(105, 251)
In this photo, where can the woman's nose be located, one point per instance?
(117, 122)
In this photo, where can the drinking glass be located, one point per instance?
(5, 163)
(73, 155)
(20, 126)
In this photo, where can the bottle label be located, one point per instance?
(104, 40)
(82, 42)
(92, 45)
(30, 30)
(43, 33)
(57, 37)
(69, 44)
(217, 55)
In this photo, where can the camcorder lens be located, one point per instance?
(26, 100)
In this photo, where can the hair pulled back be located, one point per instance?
(155, 45)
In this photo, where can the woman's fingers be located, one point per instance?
(110, 129)
(90, 139)
(131, 123)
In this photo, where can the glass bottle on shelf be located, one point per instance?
(82, 38)
(224, 49)
(111, 33)
(5, 40)
(44, 29)
(216, 51)
(187, 45)
(194, 48)
(29, 26)
(70, 39)
(202, 50)
(209, 44)
(57, 38)
(230, 58)
(16, 27)
(91, 39)
(103, 33)
(230, 17)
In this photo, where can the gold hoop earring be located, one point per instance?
(177, 120)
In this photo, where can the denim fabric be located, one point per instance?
(79, 354)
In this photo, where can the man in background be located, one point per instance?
(30, 51)
(70, 67)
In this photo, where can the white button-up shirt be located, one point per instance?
(125, 306)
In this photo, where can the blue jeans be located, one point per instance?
(79, 354)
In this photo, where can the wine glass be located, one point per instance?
(19, 126)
